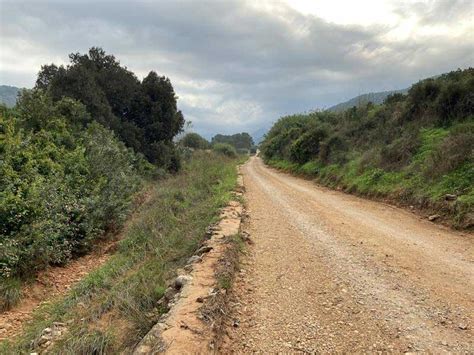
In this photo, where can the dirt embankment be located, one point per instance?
(331, 272)
(49, 285)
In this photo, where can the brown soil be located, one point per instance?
(331, 272)
(48, 286)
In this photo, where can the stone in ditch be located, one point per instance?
(169, 293)
(194, 259)
(204, 249)
(181, 280)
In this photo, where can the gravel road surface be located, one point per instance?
(331, 272)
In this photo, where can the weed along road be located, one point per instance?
(331, 272)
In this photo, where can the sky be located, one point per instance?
(240, 65)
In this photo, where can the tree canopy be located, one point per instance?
(195, 141)
(238, 141)
(144, 114)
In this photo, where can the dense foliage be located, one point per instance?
(416, 147)
(61, 185)
(242, 142)
(144, 114)
(194, 141)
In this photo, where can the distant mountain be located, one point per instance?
(258, 135)
(8, 95)
(375, 97)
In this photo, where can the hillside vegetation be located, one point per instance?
(115, 306)
(416, 149)
(74, 152)
(362, 100)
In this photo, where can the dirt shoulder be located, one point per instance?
(332, 272)
(198, 296)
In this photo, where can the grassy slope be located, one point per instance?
(407, 187)
(113, 307)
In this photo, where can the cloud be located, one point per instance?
(236, 65)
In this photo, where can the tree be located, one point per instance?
(195, 141)
(238, 141)
(143, 115)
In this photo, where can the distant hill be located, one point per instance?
(8, 95)
(375, 97)
(258, 135)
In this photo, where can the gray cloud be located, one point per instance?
(234, 66)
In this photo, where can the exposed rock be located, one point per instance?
(194, 259)
(433, 217)
(169, 293)
(204, 249)
(181, 280)
(46, 331)
(450, 197)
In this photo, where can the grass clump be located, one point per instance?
(114, 306)
(10, 293)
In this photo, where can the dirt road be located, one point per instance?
(331, 272)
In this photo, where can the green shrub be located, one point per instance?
(61, 186)
(225, 149)
(194, 141)
(306, 147)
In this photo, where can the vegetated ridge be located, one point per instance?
(362, 100)
(416, 149)
(77, 150)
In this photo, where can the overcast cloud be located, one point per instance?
(239, 65)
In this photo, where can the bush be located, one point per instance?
(61, 186)
(143, 114)
(225, 149)
(194, 141)
(306, 147)
(452, 151)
